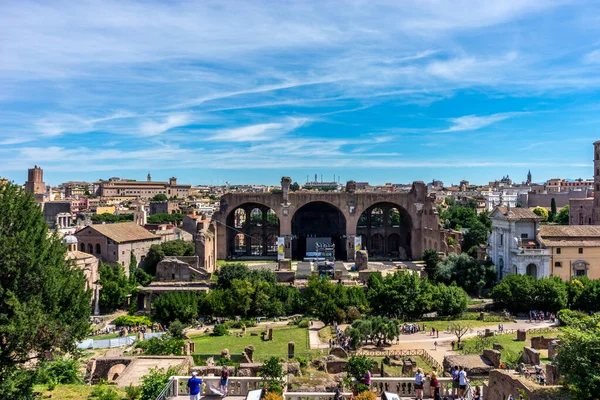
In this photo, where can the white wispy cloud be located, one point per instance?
(155, 127)
(593, 57)
(258, 132)
(474, 122)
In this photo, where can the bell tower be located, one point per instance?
(596, 213)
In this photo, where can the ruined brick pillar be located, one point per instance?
(521, 335)
(291, 346)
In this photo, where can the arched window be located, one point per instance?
(90, 248)
(256, 217)
(394, 217)
(240, 244)
(257, 245)
(239, 218)
(377, 218)
(377, 244)
(98, 249)
(501, 264)
(82, 247)
(272, 220)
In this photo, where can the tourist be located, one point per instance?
(455, 381)
(435, 344)
(452, 345)
(194, 384)
(510, 397)
(366, 378)
(435, 387)
(477, 394)
(338, 395)
(462, 382)
(419, 378)
(437, 331)
(224, 380)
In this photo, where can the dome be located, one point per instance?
(69, 239)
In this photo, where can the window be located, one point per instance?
(557, 264)
(502, 240)
(581, 250)
(580, 272)
(524, 236)
(558, 250)
(98, 249)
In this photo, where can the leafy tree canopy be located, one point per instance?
(171, 248)
(159, 197)
(43, 302)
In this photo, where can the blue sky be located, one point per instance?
(383, 91)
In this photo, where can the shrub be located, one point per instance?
(63, 370)
(104, 392)
(164, 346)
(131, 320)
(303, 361)
(133, 392)
(366, 395)
(155, 382)
(272, 373)
(304, 323)
(176, 330)
(357, 366)
(272, 396)
(220, 330)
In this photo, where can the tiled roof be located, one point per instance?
(570, 235)
(518, 213)
(124, 232)
(78, 255)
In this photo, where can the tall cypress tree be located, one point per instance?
(43, 302)
(552, 214)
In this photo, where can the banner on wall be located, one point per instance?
(357, 243)
(280, 248)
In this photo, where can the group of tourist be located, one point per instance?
(412, 328)
(541, 316)
(340, 339)
(538, 373)
(460, 383)
(196, 383)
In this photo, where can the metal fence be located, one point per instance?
(114, 342)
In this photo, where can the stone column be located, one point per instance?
(265, 212)
(291, 346)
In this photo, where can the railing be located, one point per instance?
(403, 353)
(548, 329)
(405, 387)
(238, 385)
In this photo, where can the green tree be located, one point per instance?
(43, 302)
(578, 361)
(272, 373)
(552, 214)
(541, 212)
(132, 268)
(159, 197)
(176, 329)
(115, 286)
(111, 218)
(171, 306)
(450, 300)
(562, 218)
(171, 248)
(294, 187)
(175, 219)
(155, 382)
(431, 258)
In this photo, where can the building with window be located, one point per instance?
(114, 243)
(116, 187)
(513, 245)
(575, 250)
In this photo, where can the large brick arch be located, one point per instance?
(415, 205)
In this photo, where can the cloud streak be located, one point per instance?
(474, 122)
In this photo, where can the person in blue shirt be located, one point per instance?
(194, 383)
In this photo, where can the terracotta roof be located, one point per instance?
(124, 232)
(79, 255)
(570, 235)
(519, 213)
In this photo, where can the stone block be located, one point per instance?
(291, 346)
(285, 264)
(363, 276)
(489, 333)
(408, 366)
(497, 346)
(552, 376)
(285, 276)
(362, 260)
(270, 334)
(552, 349)
(521, 335)
(225, 354)
(336, 367)
(338, 274)
(338, 352)
(531, 356)
(540, 342)
(494, 357)
(249, 350)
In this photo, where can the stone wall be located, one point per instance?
(285, 276)
(531, 356)
(98, 369)
(545, 199)
(502, 383)
(494, 357)
(540, 342)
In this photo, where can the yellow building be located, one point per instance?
(575, 250)
(105, 209)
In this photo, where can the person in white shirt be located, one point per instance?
(462, 382)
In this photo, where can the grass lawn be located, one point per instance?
(326, 333)
(68, 392)
(512, 347)
(397, 371)
(207, 345)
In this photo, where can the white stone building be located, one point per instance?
(513, 245)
